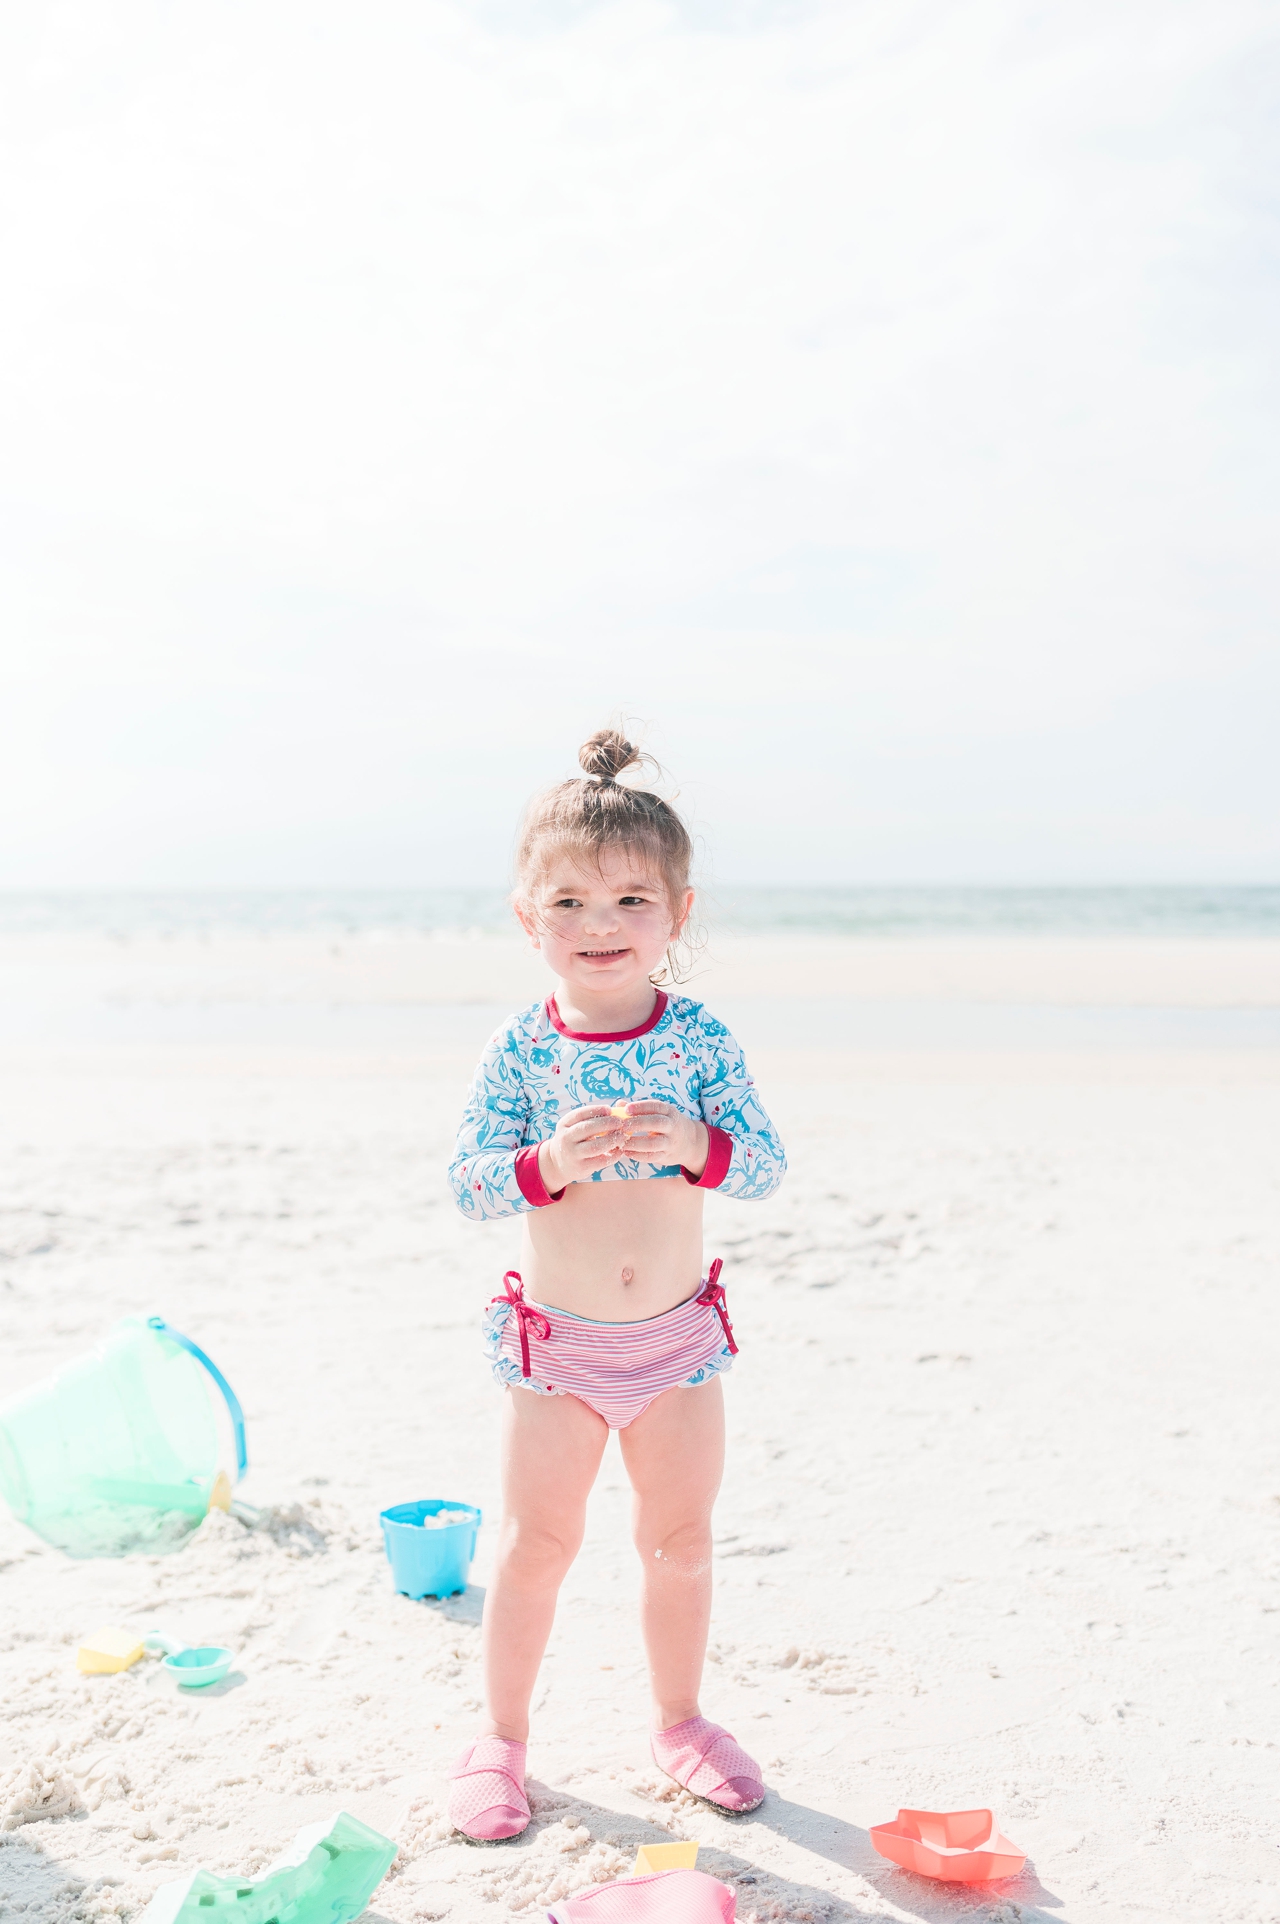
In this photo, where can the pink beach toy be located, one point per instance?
(668, 1897)
(959, 1846)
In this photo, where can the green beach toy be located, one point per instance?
(119, 1451)
(327, 1876)
(191, 1665)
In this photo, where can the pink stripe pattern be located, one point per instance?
(615, 1368)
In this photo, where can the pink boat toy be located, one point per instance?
(959, 1846)
(668, 1897)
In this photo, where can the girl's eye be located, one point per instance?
(633, 901)
(566, 902)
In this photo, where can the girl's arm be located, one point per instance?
(485, 1174)
(746, 1158)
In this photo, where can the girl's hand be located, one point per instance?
(656, 1132)
(585, 1140)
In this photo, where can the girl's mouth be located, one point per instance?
(602, 955)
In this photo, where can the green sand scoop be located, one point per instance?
(193, 1666)
(327, 1876)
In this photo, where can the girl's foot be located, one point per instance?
(704, 1759)
(487, 1800)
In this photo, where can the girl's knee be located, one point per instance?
(537, 1552)
(683, 1548)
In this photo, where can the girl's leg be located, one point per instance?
(551, 1450)
(674, 1455)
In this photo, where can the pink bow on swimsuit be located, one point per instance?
(714, 1297)
(525, 1314)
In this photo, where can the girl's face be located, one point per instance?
(604, 928)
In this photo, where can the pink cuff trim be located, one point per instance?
(719, 1156)
(529, 1177)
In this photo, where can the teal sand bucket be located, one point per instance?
(120, 1450)
(430, 1560)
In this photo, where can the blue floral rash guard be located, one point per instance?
(535, 1070)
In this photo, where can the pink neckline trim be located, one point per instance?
(610, 1035)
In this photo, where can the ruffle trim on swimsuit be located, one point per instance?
(616, 1368)
(506, 1370)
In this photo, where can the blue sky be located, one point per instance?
(878, 399)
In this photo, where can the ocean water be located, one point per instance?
(50, 1008)
(1168, 911)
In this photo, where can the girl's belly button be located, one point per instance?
(628, 1276)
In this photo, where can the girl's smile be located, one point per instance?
(603, 932)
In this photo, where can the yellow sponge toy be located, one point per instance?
(665, 1857)
(109, 1649)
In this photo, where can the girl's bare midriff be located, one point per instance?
(617, 1252)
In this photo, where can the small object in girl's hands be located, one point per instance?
(622, 1110)
(665, 1857)
(956, 1846)
(109, 1649)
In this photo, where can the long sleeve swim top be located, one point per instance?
(535, 1070)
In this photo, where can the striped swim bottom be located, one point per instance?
(617, 1369)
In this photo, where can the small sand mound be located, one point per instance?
(35, 1791)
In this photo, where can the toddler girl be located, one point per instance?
(601, 1116)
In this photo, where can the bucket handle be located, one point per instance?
(233, 1401)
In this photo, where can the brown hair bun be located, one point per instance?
(606, 755)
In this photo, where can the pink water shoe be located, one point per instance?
(486, 1798)
(707, 1761)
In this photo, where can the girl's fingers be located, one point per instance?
(597, 1137)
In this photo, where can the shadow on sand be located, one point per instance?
(760, 1887)
(468, 1608)
(850, 1847)
(29, 1880)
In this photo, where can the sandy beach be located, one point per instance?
(1000, 1520)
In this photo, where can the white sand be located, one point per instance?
(1000, 1523)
